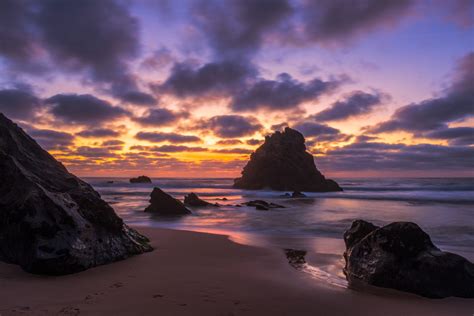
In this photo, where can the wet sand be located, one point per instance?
(192, 273)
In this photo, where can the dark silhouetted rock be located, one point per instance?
(401, 256)
(282, 163)
(162, 203)
(298, 194)
(263, 205)
(140, 179)
(296, 258)
(192, 199)
(51, 222)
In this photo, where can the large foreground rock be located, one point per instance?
(162, 203)
(51, 222)
(401, 256)
(282, 163)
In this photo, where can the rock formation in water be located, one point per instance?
(51, 222)
(192, 199)
(282, 163)
(298, 194)
(262, 205)
(401, 256)
(140, 179)
(162, 203)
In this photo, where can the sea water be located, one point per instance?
(443, 207)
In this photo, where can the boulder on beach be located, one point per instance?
(162, 203)
(402, 256)
(140, 179)
(282, 163)
(263, 205)
(51, 222)
(192, 199)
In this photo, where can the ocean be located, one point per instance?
(443, 207)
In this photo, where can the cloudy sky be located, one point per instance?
(190, 87)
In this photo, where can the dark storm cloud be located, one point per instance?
(50, 139)
(227, 142)
(83, 109)
(454, 135)
(254, 142)
(340, 20)
(98, 132)
(231, 126)
(96, 36)
(215, 77)
(158, 137)
(433, 114)
(95, 152)
(282, 93)
(312, 129)
(399, 157)
(18, 104)
(235, 29)
(16, 40)
(113, 142)
(160, 117)
(138, 98)
(355, 104)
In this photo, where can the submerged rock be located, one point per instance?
(162, 203)
(51, 222)
(282, 163)
(402, 256)
(263, 205)
(140, 179)
(298, 194)
(192, 199)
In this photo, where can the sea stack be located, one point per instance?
(402, 256)
(140, 179)
(51, 222)
(162, 203)
(282, 163)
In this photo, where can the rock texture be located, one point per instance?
(401, 256)
(262, 205)
(51, 222)
(192, 199)
(162, 203)
(298, 194)
(282, 163)
(140, 179)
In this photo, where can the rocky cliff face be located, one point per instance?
(282, 163)
(402, 256)
(51, 222)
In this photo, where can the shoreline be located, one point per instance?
(192, 273)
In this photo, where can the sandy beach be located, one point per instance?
(192, 273)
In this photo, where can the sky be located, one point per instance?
(191, 88)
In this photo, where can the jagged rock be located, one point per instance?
(298, 194)
(51, 222)
(282, 163)
(263, 205)
(296, 258)
(402, 256)
(192, 199)
(140, 179)
(162, 203)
